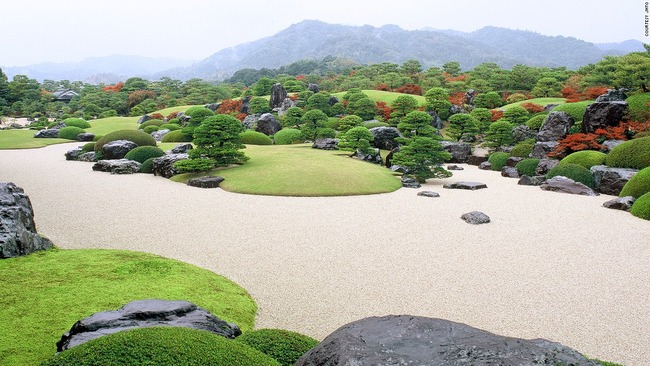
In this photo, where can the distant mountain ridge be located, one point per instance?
(312, 39)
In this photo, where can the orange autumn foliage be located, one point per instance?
(157, 116)
(172, 115)
(532, 107)
(496, 114)
(457, 98)
(410, 89)
(229, 106)
(113, 88)
(384, 110)
(382, 86)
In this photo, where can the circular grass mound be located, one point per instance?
(641, 207)
(88, 147)
(177, 136)
(638, 109)
(150, 129)
(288, 136)
(638, 185)
(161, 346)
(527, 167)
(633, 154)
(575, 110)
(76, 122)
(573, 171)
(147, 166)
(250, 137)
(170, 126)
(152, 122)
(522, 150)
(586, 158)
(498, 160)
(70, 132)
(137, 136)
(284, 346)
(142, 153)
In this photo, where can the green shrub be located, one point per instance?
(194, 165)
(142, 153)
(638, 185)
(173, 121)
(370, 125)
(641, 134)
(150, 129)
(177, 136)
(76, 122)
(88, 147)
(161, 346)
(147, 166)
(575, 110)
(586, 158)
(284, 346)
(97, 137)
(535, 123)
(522, 149)
(527, 167)
(498, 160)
(70, 132)
(633, 154)
(287, 136)
(638, 108)
(325, 132)
(170, 126)
(151, 122)
(573, 171)
(332, 122)
(641, 207)
(138, 137)
(250, 137)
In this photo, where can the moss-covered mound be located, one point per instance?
(573, 171)
(498, 160)
(284, 346)
(76, 122)
(170, 126)
(147, 166)
(586, 158)
(161, 346)
(522, 149)
(70, 132)
(250, 137)
(150, 129)
(638, 108)
(138, 137)
(288, 136)
(638, 185)
(527, 167)
(142, 153)
(152, 122)
(536, 122)
(177, 136)
(633, 154)
(575, 110)
(88, 147)
(641, 207)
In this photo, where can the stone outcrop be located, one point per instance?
(326, 144)
(612, 95)
(278, 94)
(117, 149)
(182, 148)
(522, 132)
(158, 135)
(145, 313)
(85, 137)
(611, 180)
(455, 167)
(410, 182)
(143, 119)
(73, 154)
(509, 172)
(90, 157)
(475, 218)
(18, 234)
(313, 88)
(250, 120)
(531, 181)
(472, 186)
(486, 165)
(384, 137)
(460, 151)
(117, 166)
(429, 194)
(372, 157)
(212, 106)
(48, 133)
(164, 165)
(603, 115)
(513, 161)
(284, 107)
(205, 182)
(436, 121)
(245, 105)
(416, 340)
(267, 124)
(555, 127)
(620, 203)
(567, 185)
(545, 165)
(542, 149)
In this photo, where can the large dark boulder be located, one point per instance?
(326, 144)
(555, 127)
(545, 165)
(384, 137)
(509, 172)
(212, 106)
(250, 120)
(472, 186)
(205, 182)
(118, 149)
(278, 94)
(542, 149)
(460, 151)
(158, 135)
(313, 88)
(611, 180)
(410, 182)
(117, 166)
(612, 95)
(284, 107)
(18, 234)
(182, 148)
(417, 340)
(523, 132)
(144, 119)
(73, 154)
(603, 115)
(164, 165)
(89, 156)
(268, 125)
(332, 100)
(145, 313)
(436, 122)
(372, 157)
(48, 133)
(85, 137)
(620, 203)
(567, 185)
(245, 105)
(531, 181)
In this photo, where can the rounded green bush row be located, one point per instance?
(638, 185)
(150, 129)
(142, 153)
(641, 207)
(161, 346)
(638, 109)
(147, 166)
(370, 125)
(586, 158)
(575, 110)
(498, 160)
(88, 147)
(177, 136)
(170, 126)
(250, 137)
(151, 122)
(76, 122)
(522, 150)
(140, 138)
(527, 167)
(70, 132)
(288, 136)
(633, 154)
(573, 171)
(284, 346)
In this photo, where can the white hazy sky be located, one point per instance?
(35, 31)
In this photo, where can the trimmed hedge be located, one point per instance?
(575, 110)
(76, 122)
(370, 125)
(147, 166)
(498, 160)
(522, 150)
(142, 153)
(638, 185)
(284, 346)
(638, 109)
(161, 346)
(573, 171)
(586, 158)
(288, 136)
(140, 138)
(70, 132)
(250, 137)
(633, 154)
(150, 129)
(535, 123)
(177, 136)
(170, 126)
(527, 167)
(151, 122)
(88, 147)
(641, 207)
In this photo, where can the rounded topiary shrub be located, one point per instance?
(147, 166)
(142, 153)
(638, 108)
(70, 132)
(140, 138)
(151, 122)
(287, 136)
(535, 123)
(638, 185)
(573, 171)
(88, 147)
(76, 122)
(370, 125)
(527, 167)
(522, 149)
(641, 207)
(250, 137)
(284, 346)
(498, 160)
(586, 158)
(150, 129)
(161, 346)
(170, 126)
(575, 110)
(633, 154)
(177, 136)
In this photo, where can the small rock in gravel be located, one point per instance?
(475, 218)
(428, 194)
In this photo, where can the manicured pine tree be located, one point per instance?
(356, 138)
(462, 126)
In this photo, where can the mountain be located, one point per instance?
(631, 45)
(108, 69)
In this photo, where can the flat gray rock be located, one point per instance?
(620, 203)
(408, 182)
(531, 181)
(428, 194)
(566, 185)
(117, 166)
(205, 182)
(472, 186)
(475, 218)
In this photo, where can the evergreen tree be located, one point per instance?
(416, 123)
(499, 134)
(357, 138)
(462, 127)
(422, 157)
